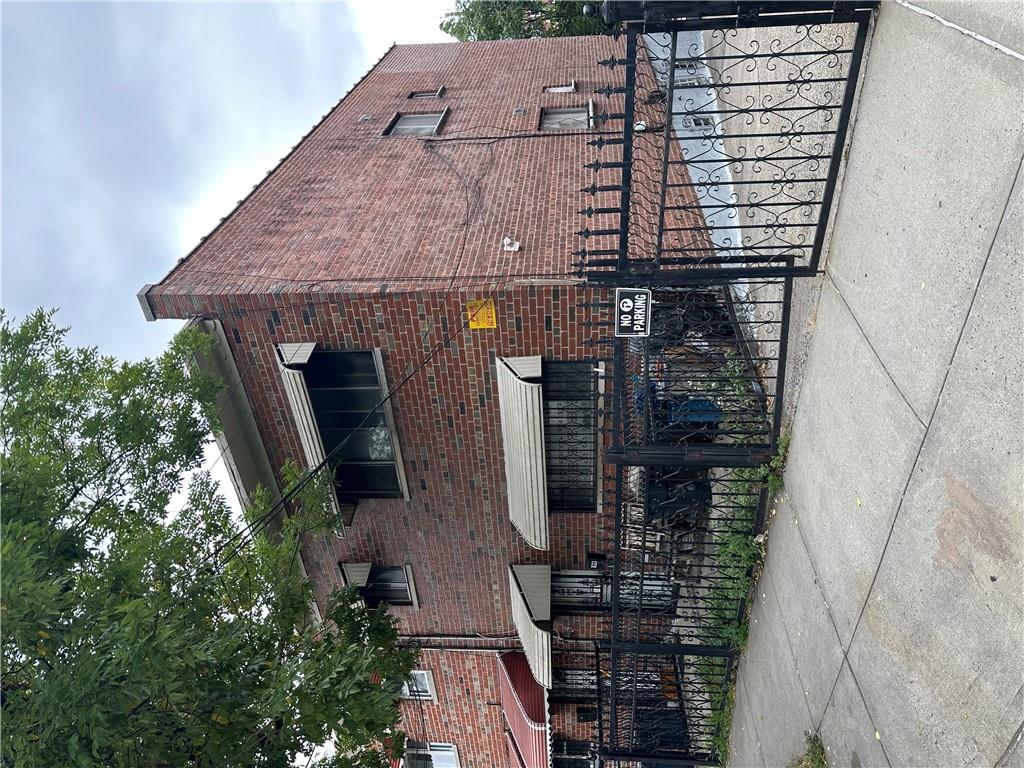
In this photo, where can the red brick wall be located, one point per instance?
(352, 209)
(455, 531)
(467, 712)
(361, 241)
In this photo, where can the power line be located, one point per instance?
(241, 538)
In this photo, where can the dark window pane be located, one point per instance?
(354, 480)
(337, 368)
(367, 444)
(387, 584)
(328, 400)
(345, 394)
(344, 422)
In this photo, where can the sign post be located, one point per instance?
(632, 312)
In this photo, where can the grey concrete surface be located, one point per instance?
(896, 551)
(998, 20)
(744, 734)
(773, 687)
(853, 427)
(950, 637)
(811, 633)
(849, 733)
(930, 166)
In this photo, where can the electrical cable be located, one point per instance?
(248, 534)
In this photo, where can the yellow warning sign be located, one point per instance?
(482, 313)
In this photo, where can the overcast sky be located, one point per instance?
(130, 129)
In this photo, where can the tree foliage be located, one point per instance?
(509, 19)
(123, 642)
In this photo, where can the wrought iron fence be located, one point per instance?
(675, 724)
(570, 428)
(733, 130)
(683, 551)
(715, 196)
(706, 386)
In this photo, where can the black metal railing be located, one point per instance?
(733, 132)
(570, 434)
(716, 194)
(684, 532)
(683, 546)
(705, 386)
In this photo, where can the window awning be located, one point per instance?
(302, 409)
(356, 574)
(522, 434)
(524, 705)
(530, 588)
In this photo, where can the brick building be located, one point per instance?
(449, 174)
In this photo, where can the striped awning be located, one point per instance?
(530, 588)
(522, 435)
(524, 705)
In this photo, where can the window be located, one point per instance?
(430, 754)
(684, 79)
(573, 754)
(428, 94)
(420, 685)
(698, 121)
(574, 685)
(567, 88)
(345, 388)
(419, 124)
(568, 119)
(379, 584)
(570, 434)
(391, 584)
(584, 591)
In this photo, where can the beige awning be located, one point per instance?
(522, 434)
(356, 574)
(302, 410)
(530, 588)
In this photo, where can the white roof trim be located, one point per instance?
(305, 420)
(530, 589)
(245, 455)
(389, 419)
(522, 433)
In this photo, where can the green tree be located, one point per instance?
(128, 637)
(504, 19)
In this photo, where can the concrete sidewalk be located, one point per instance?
(890, 614)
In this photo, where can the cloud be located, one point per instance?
(130, 129)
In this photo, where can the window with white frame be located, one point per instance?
(436, 94)
(419, 124)
(684, 79)
(565, 119)
(430, 754)
(569, 87)
(381, 584)
(699, 121)
(420, 685)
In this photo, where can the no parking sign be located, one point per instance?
(632, 312)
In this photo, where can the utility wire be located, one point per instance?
(248, 534)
